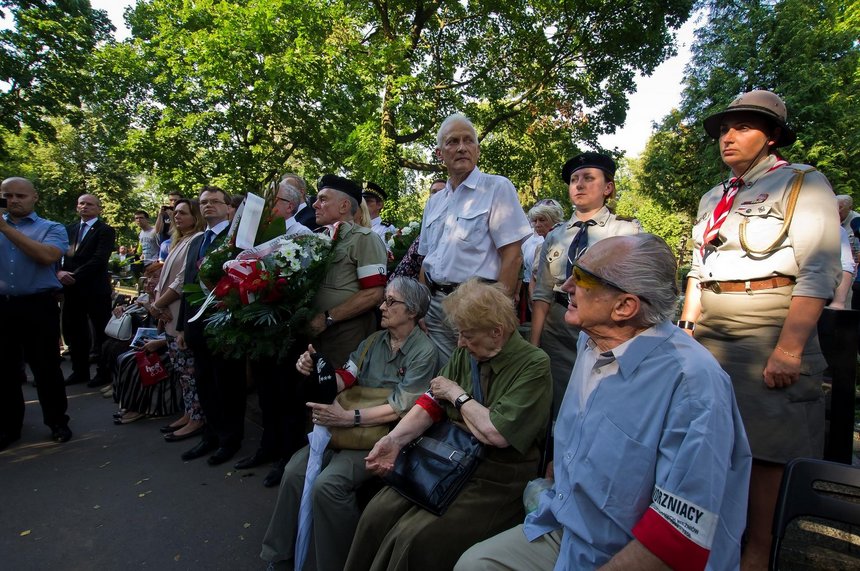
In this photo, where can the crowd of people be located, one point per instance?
(663, 434)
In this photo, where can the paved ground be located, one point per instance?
(119, 497)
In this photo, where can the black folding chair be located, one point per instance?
(799, 496)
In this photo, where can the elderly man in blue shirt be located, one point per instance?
(651, 459)
(30, 251)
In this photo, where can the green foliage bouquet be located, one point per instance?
(263, 297)
(256, 301)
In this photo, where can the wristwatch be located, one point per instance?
(461, 400)
(329, 320)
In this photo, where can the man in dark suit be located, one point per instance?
(220, 381)
(304, 214)
(86, 288)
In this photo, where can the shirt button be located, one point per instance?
(568, 455)
(596, 370)
(561, 496)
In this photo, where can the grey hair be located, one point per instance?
(416, 296)
(353, 203)
(297, 182)
(649, 271)
(451, 120)
(293, 194)
(845, 198)
(549, 211)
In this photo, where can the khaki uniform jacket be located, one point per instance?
(810, 251)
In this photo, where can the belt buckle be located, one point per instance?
(715, 287)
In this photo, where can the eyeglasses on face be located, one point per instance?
(589, 280)
(390, 301)
(213, 202)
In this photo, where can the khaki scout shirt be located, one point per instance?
(810, 252)
(358, 253)
(552, 263)
(407, 371)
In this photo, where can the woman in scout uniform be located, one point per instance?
(590, 179)
(766, 259)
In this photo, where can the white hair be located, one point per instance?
(450, 121)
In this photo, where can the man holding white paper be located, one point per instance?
(220, 381)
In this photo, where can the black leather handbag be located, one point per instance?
(432, 469)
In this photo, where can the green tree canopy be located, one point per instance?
(43, 60)
(235, 91)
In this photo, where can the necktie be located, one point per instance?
(204, 246)
(579, 244)
(718, 216)
(81, 231)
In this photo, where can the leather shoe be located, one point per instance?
(168, 429)
(258, 458)
(7, 439)
(203, 448)
(173, 437)
(273, 478)
(74, 379)
(221, 455)
(61, 433)
(97, 381)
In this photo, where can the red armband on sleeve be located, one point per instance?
(371, 276)
(670, 545)
(435, 411)
(347, 377)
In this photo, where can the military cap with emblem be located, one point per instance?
(373, 190)
(587, 160)
(344, 185)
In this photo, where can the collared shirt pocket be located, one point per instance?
(339, 273)
(471, 226)
(619, 467)
(762, 226)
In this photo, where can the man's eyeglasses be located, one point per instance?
(590, 280)
(212, 202)
(390, 301)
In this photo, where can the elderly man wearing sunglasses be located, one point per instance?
(651, 458)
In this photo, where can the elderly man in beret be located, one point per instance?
(590, 178)
(471, 228)
(651, 458)
(355, 282)
(375, 198)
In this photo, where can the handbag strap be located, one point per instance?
(477, 390)
(371, 341)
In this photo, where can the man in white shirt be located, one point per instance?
(474, 227)
(375, 198)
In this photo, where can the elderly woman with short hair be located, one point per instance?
(394, 533)
(543, 216)
(401, 358)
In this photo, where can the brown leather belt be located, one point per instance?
(749, 285)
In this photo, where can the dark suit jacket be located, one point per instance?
(191, 271)
(308, 217)
(89, 259)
